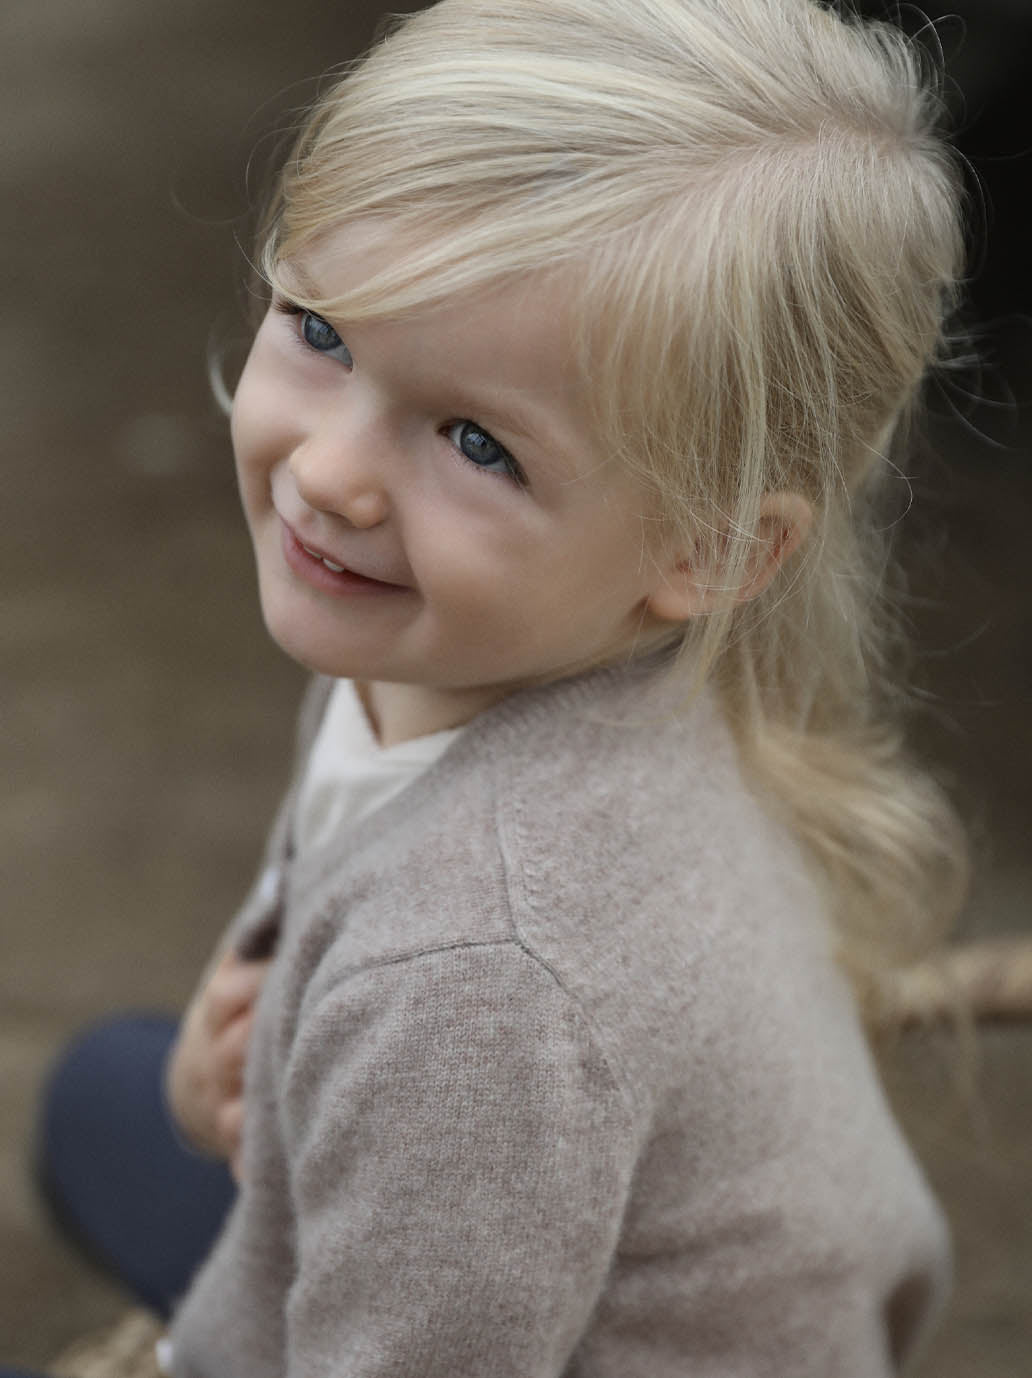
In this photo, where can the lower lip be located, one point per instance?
(312, 570)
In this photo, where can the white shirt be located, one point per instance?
(350, 774)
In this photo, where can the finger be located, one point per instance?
(234, 987)
(210, 1000)
(229, 1124)
(236, 1166)
(229, 1053)
(189, 1067)
(236, 984)
(194, 1112)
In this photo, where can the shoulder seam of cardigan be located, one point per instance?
(619, 1081)
(455, 945)
(513, 851)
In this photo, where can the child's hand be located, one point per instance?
(205, 1074)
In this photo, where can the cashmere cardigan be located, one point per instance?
(554, 1074)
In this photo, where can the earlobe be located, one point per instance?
(684, 591)
(681, 594)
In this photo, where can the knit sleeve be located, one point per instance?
(460, 1161)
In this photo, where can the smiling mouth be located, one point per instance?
(337, 569)
(315, 567)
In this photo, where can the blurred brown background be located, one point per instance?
(146, 720)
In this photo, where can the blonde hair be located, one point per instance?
(760, 229)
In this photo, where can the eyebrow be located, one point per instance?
(296, 272)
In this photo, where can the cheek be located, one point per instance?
(261, 408)
(466, 541)
(249, 419)
(516, 566)
(599, 560)
(258, 440)
(242, 437)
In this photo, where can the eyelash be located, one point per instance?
(515, 474)
(286, 307)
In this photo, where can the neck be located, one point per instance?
(400, 712)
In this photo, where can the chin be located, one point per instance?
(295, 639)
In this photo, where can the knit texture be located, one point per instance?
(554, 1074)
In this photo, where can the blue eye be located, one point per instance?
(482, 450)
(320, 335)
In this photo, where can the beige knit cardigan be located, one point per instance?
(554, 1074)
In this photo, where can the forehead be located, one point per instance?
(372, 270)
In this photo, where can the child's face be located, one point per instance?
(445, 461)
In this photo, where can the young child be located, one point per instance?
(560, 446)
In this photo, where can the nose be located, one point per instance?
(337, 470)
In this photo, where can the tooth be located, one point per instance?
(337, 569)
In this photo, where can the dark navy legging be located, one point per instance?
(120, 1182)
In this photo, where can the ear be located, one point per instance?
(684, 591)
